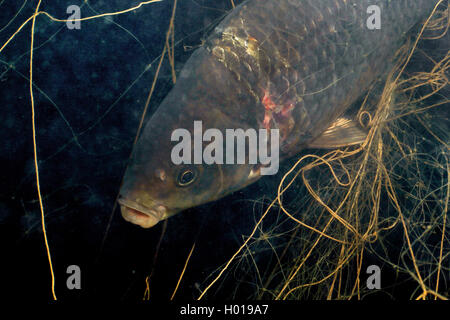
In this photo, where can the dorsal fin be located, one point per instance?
(343, 132)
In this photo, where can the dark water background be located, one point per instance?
(90, 90)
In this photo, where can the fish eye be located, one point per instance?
(186, 177)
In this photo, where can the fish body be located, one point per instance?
(291, 65)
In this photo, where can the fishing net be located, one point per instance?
(320, 229)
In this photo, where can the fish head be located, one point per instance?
(154, 187)
(156, 190)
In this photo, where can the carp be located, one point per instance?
(294, 66)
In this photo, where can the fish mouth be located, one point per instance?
(138, 214)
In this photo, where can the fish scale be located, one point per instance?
(325, 44)
(292, 65)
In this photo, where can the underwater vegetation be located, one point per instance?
(313, 231)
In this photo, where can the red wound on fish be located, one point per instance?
(280, 114)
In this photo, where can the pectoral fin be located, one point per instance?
(343, 132)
